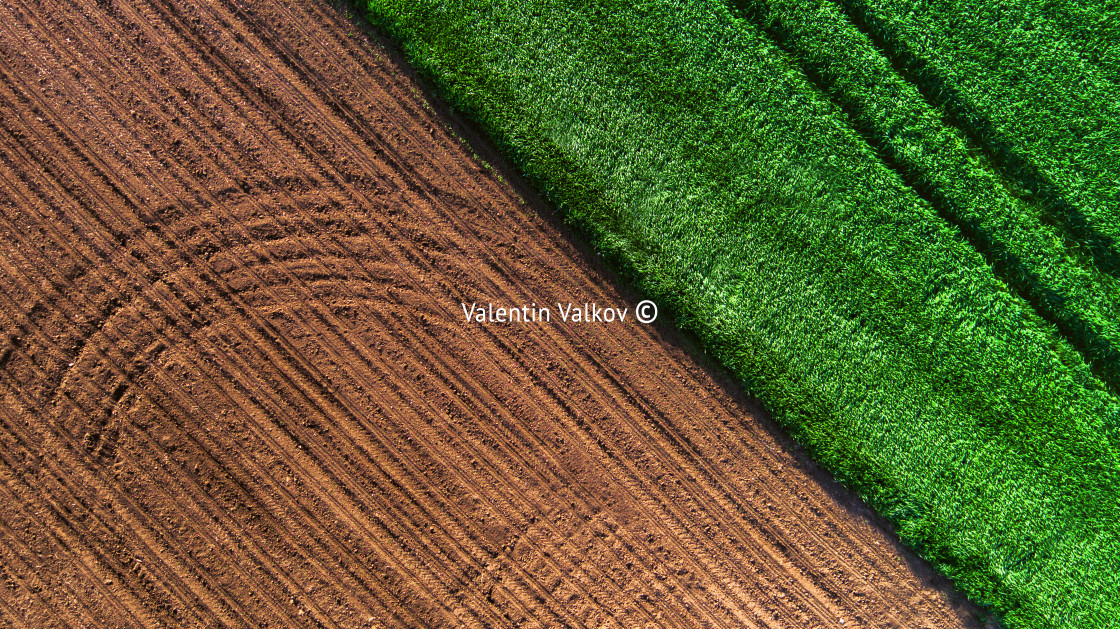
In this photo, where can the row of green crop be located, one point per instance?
(1034, 257)
(737, 195)
(1088, 28)
(1049, 118)
(1091, 27)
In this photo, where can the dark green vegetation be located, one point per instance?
(1008, 75)
(1025, 242)
(920, 285)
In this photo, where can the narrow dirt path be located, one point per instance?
(237, 387)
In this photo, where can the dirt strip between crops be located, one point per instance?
(237, 387)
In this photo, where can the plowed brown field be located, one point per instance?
(237, 388)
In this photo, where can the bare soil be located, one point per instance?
(237, 388)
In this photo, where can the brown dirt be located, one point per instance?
(236, 387)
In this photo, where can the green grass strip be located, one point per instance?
(1044, 265)
(739, 197)
(1050, 119)
(1090, 27)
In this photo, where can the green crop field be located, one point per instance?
(897, 223)
(1043, 261)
